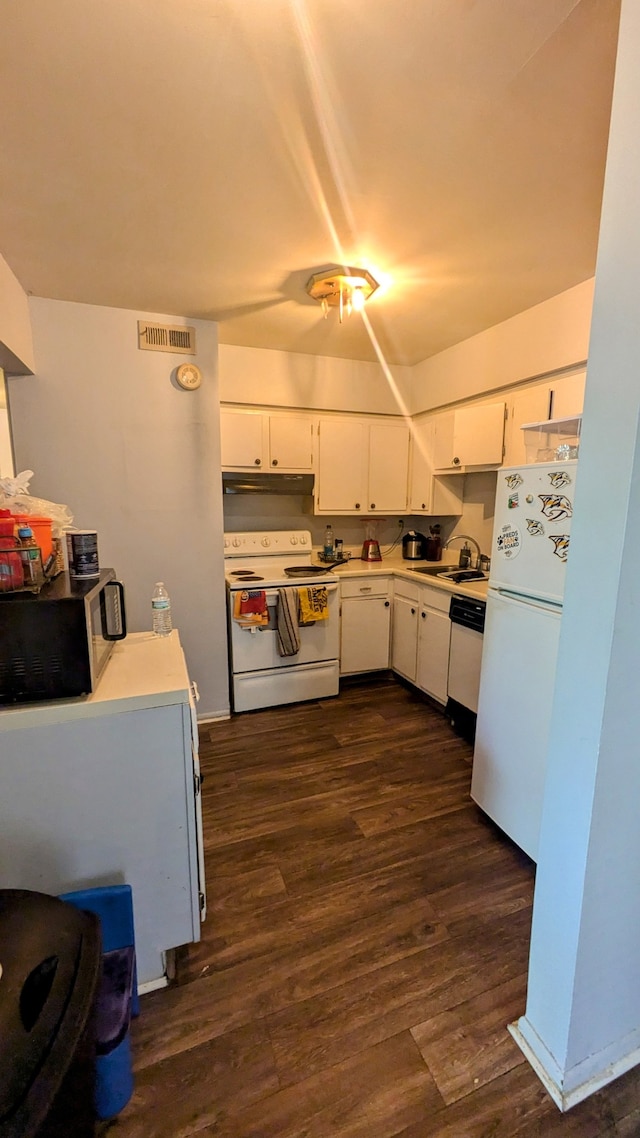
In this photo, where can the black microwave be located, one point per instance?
(55, 644)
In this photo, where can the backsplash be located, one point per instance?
(272, 512)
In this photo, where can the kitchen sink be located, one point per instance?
(451, 573)
(431, 570)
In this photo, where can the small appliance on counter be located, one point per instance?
(55, 644)
(413, 546)
(371, 545)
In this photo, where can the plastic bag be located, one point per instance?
(15, 496)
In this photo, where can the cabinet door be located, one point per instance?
(290, 442)
(404, 644)
(434, 635)
(343, 458)
(388, 467)
(568, 396)
(364, 634)
(528, 406)
(443, 453)
(242, 436)
(478, 435)
(428, 493)
(421, 479)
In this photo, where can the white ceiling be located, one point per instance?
(203, 157)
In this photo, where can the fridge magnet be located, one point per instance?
(513, 502)
(529, 499)
(561, 542)
(534, 527)
(559, 478)
(513, 481)
(555, 507)
(508, 542)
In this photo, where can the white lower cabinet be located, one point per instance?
(404, 642)
(365, 624)
(421, 636)
(434, 638)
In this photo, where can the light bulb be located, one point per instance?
(357, 299)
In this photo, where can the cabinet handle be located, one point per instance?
(365, 588)
(423, 615)
(372, 506)
(424, 505)
(257, 461)
(274, 462)
(357, 505)
(413, 612)
(386, 604)
(456, 462)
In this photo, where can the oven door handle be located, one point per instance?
(272, 594)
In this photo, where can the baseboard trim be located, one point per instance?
(567, 1089)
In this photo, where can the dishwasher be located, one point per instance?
(465, 658)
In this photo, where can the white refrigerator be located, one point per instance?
(532, 530)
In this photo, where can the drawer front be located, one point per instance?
(435, 598)
(365, 587)
(407, 589)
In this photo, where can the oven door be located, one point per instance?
(255, 649)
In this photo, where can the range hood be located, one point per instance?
(234, 482)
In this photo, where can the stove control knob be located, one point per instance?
(303, 540)
(266, 541)
(227, 543)
(236, 543)
(293, 540)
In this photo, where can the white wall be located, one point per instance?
(6, 448)
(582, 1022)
(16, 345)
(551, 336)
(108, 432)
(291, 379)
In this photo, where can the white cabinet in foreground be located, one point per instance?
(105, 791)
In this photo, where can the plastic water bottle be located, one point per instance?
(328, 543)
(161, 610)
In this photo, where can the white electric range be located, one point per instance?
(260, 677)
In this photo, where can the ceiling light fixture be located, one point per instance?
(346, 289)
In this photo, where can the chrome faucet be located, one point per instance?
(464, 537)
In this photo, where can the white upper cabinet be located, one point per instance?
(388, 467)
(567, 396)
(255, 440)
(530, 405)
(429, 494)
(290, 442)
(343, 463)
(469, 437)
(362, 466)
(560, 398)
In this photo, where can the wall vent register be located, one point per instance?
(166, 338)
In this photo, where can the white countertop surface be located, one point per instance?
(395, 564)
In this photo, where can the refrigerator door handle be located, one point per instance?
(512, 598)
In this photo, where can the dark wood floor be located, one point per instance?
(365, 947)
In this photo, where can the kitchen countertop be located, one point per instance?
(395, 565)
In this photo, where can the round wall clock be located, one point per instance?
(189, 376)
